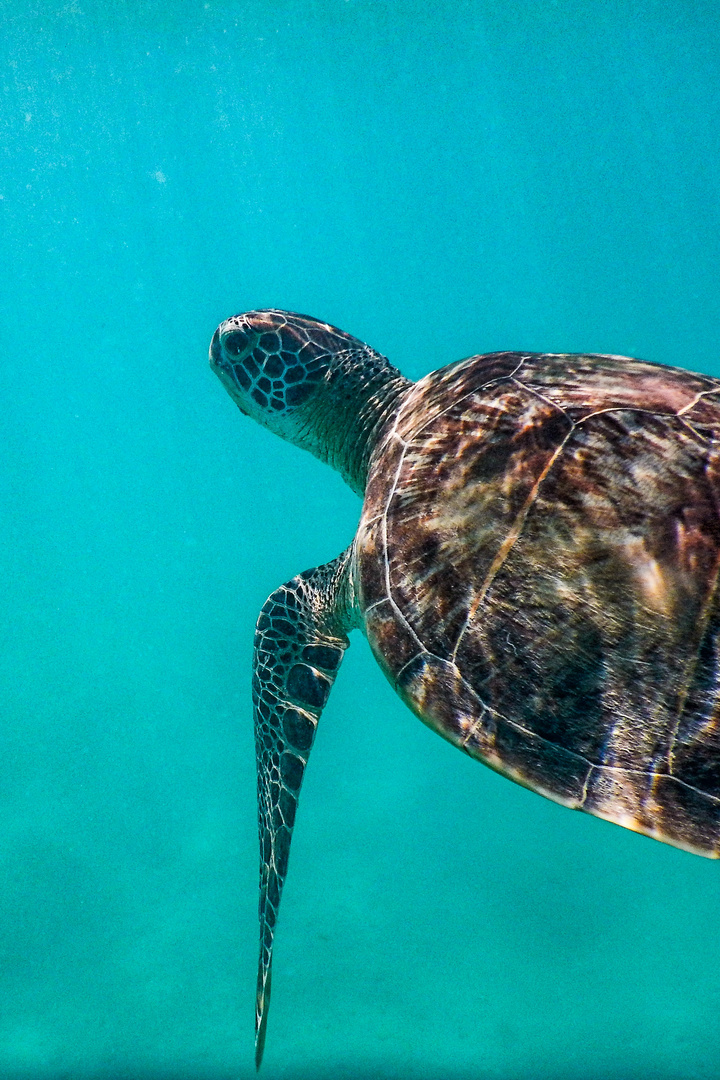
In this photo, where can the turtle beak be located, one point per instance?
(221, 368)
(216, 357)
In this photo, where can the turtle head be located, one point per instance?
(307, 381)
(273, 363)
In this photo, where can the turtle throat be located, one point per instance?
(361, 395)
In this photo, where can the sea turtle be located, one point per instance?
(535, 569)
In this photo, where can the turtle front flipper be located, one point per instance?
(300, 638)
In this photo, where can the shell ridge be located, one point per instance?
(401, 462)
(423, 652)
(702, 622)
(661, 775)
(377, 603)
(635, 409)
(386, 562)
(690, 427)
(496, 381)
(511, 539)
(698, 398)
(405, 622)
(530, 389)
(517, 726)
(585, 788)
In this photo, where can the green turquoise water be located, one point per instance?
(438, 179)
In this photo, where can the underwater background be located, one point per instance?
(438, 179)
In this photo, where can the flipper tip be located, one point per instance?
(263, 1001)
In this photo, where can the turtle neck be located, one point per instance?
(361, 394)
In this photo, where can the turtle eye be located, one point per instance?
(235, 343)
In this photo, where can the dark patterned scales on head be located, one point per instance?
(277, 366)
(535, 569)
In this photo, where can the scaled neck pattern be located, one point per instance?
(362, 394)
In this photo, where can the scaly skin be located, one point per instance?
(536, 569)
(300, 638)
(309, 382)
(331, 394)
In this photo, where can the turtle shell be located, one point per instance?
(537, 567)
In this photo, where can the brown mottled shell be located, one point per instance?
(537, 564)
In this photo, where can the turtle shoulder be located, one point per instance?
(538, 562)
